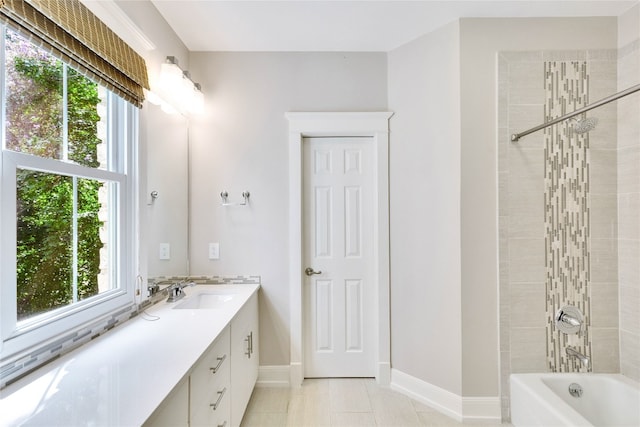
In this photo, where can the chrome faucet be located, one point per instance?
(575, 353)
(176, 292)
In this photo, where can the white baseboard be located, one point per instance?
(296, 376)
(273, 376)
(383, 376)
(462, 409)
(435, 397)
(482, 409)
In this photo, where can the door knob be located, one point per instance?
(309, 271)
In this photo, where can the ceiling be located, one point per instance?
(342, 25)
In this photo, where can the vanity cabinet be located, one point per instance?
(174, 410)
(244, 358)
(210, 391)
(204, 397)
(219, 385)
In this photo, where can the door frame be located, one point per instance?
(323, 124)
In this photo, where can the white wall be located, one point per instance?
(424, 94)
(162, 151)
(240, 143)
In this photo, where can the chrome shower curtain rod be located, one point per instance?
(516, 136)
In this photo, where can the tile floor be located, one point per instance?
(339, 402)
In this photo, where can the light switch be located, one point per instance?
(165, 251)
(214, 251)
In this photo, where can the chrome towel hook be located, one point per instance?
(225, 202)
(154, 195)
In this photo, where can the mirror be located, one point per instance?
(167, 151)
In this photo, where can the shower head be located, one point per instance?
(584, 124)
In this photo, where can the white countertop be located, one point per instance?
(121, 377)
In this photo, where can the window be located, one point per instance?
(67, 197)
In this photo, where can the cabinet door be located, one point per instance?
(244, 358)
(210, 385)
(174, 410)
(253, 363)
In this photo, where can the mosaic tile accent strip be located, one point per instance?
(566, 210)
(226, 280)
(12, 370)
(208, 280)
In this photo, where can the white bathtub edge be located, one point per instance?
(557, 411)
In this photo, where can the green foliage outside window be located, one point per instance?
(35, 125)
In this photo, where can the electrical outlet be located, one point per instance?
(214, 251)
(165, 251)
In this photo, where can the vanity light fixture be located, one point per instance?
(197, 99)
(171, 74)
(182, 93)
(155, 99)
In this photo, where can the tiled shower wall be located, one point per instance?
(526, 201)
(629, 210)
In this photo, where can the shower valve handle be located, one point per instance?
(569, 319)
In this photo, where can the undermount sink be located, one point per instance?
(206, 300)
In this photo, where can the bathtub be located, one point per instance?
(545, 400)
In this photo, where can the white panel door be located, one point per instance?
(338, 233)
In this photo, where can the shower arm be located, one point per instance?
(516, 136)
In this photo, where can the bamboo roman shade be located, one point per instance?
(70, 31)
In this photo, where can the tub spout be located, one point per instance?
(575, 353)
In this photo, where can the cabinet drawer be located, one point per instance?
(215, 412)
(210, 391)
(211, 373)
